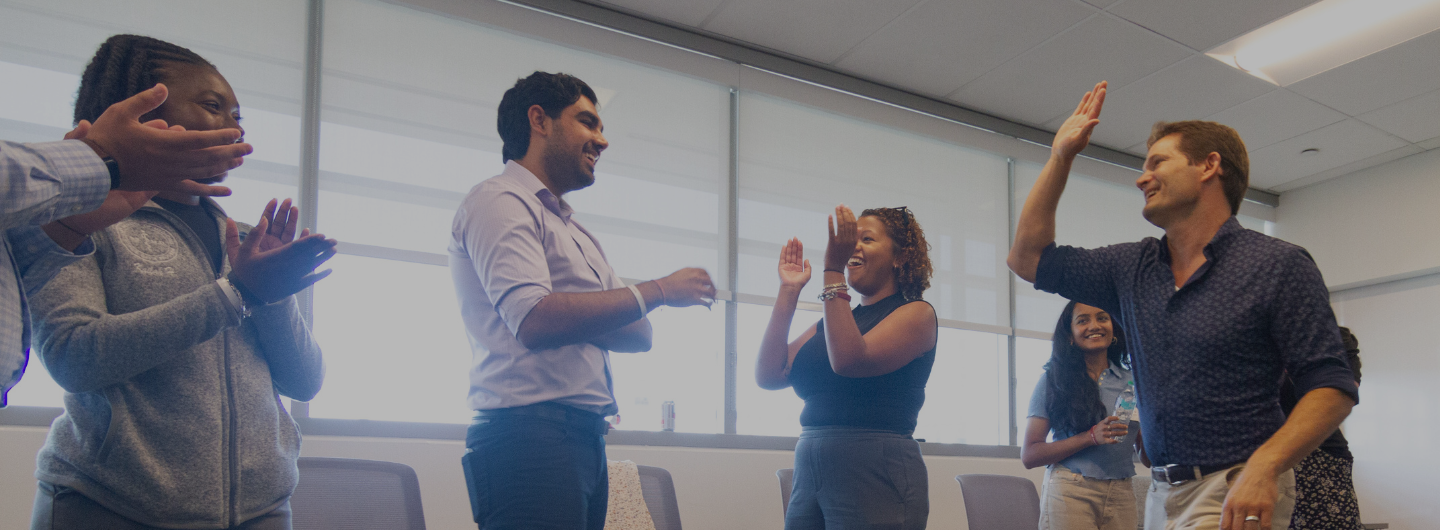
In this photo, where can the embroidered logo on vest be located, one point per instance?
(148, 241)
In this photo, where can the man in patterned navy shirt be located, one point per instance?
(1214, 314)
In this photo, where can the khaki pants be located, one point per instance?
(1196, 504)
(1070, 501)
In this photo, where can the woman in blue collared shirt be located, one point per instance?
(1090, 461)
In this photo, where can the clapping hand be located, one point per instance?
(1074, 134)
(271, 263)
(842, 239)
(163, 158)
(794, 268)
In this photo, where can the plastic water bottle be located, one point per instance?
(1125, 405)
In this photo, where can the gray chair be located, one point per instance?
(787, 482)
(1000, 502)
(659, 491)
(348, 494)
(1141, 483)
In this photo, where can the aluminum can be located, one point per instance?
(667, 416)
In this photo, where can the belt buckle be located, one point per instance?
(1172, 482)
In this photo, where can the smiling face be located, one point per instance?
(574, 145)
(872, 266)
(200, 100)
(1171, 183)
(1090, 329)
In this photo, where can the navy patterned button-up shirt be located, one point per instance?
(1208, 357)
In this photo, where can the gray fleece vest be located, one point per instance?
(172, 412)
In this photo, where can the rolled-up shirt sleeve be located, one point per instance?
(504, 239)
(1305, 330)
(1085, 275)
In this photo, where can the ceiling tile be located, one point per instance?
(1339, 144)
(1049, 80)
(1433, 143)
(1416, 119)
(1189, 90)
(1203, 25)
(941, 45)
(1390, 76)
(689, 12)
(1276, 116)
(1101, 3)
(819, 30)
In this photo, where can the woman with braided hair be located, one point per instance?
(861, 372)
(174, 341)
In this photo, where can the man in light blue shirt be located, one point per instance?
(543, 309)
(54, 194)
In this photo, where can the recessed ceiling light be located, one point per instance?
(1310, 152)
(1325, 35)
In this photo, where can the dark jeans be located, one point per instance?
(62, 508)
(539, 466)
(850, 478)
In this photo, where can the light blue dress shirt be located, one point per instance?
(39, 183)
(512, 243)
(1112, 461)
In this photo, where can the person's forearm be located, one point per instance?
(1035, 229)
(1046, 453)
(1314, 418)
(296, 365)
(634, 337)
(774, 354)
(86, 349)
(571, 318)
(843, 340)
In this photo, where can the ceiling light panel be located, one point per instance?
(1325, 35)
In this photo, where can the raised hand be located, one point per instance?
(687, 287)
(794, 268)
(280, 271)
(162, 159)
(1074, 134)
(280, 225)
(841, 227)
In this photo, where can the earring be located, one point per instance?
(1114, 339)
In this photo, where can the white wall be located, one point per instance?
(1376, 224)
(1378, 229)
(718, 489)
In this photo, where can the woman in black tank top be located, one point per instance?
(861, 372)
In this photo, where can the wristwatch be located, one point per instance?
(114, 168)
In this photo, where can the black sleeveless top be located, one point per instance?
(889, 402)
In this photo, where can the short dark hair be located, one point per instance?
(1200, 138)
(912, 277)
(552, 92)
(126, 65)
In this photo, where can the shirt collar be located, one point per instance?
(516, 172)
(1231, 226)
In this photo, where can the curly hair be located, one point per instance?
(913, 275)
(123, 66)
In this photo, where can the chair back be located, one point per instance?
(348, 494)
(787, 483)
(1141, 483)
(659, 490)
(1000, 502)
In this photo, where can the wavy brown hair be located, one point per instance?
(912, 277)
